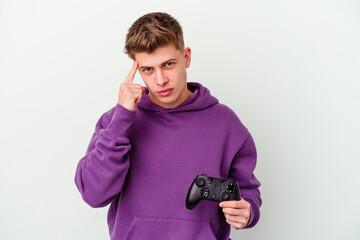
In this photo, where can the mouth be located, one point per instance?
(165, 92)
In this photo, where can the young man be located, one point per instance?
(147, 150)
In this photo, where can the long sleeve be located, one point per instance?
(101, 173)
(242, 169)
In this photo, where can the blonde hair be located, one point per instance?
(151, 31)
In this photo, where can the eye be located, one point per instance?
(169, 64)
(146, 69)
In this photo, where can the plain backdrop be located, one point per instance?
(289, 69)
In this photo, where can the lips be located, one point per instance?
(165, 92)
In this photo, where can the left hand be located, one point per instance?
(237, 213)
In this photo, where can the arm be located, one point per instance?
(101, 173)
(246, 212)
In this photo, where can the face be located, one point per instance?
(164, 74)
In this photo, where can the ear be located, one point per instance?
(187, 56)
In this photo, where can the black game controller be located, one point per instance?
(213, 189)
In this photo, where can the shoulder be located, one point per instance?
(224, 109)
(227, 113)
(105, 118)
(229, 118)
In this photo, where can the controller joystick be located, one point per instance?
(200, 182)
(213, 189)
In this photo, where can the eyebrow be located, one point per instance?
(169, 60)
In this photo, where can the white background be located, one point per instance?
(289, 69)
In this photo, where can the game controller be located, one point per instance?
(213, 189)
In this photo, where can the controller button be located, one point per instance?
(214, 196)
(206, 194)
(230, 187)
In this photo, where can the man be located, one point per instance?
(147, 150)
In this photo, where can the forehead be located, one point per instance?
(157, 57)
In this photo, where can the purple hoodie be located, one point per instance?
(143, 162)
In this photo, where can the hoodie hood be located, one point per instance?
(200, 99)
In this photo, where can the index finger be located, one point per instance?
(131, 75)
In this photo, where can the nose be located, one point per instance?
(161, 78)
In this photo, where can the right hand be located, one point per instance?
(130, 93)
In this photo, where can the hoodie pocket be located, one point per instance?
(168, 229)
